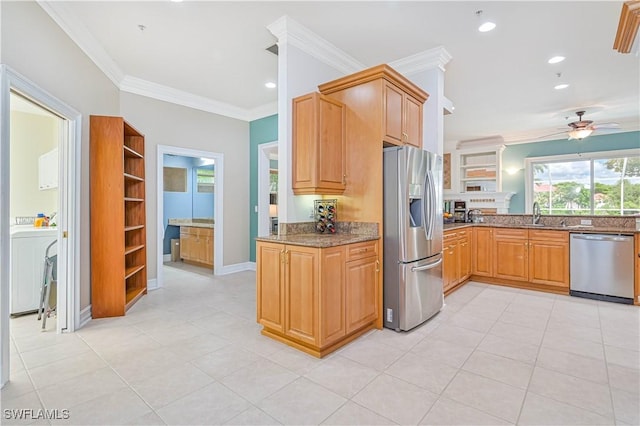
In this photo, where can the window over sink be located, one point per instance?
(599, 183)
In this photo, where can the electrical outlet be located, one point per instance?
(255, 209)
(312, 214)
(585, 221)
(389, 315)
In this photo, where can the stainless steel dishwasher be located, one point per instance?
(602, 267)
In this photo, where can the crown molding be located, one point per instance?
(437, 57)
(263, 111)
(627, 27)
(79, 34)
(287, 30)
(160, 92)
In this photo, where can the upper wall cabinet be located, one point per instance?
(48, 170)
(402, 117)
(396, 99)
(319, 145)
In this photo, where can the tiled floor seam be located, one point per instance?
(606, 367)
(526, 392)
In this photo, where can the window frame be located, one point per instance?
(590, 156)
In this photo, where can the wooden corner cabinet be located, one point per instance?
(397, 102)
(319, 145)
(118, 231)
(317, 299)
(456, 257)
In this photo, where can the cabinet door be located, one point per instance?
(331, 159)
(301, 293)
(393, 122)
(549, 263)
(361, 292)
(482, 262)
(464, 252)
(270, 285)
(450, 265)
(412, 121)
(186, 247)
(332, 295)
(510, 259)
(208, 254)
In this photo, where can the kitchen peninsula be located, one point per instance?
(317, 292)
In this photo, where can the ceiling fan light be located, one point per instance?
(561, 86)
(580, 133)
(556, 59)
(486, 27)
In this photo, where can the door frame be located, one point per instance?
(265, 151)
(68, 303)
(218, 235)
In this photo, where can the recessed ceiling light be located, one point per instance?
(561, 86)
(556, 59)
(270, 85)
(487, 26)
(176, 1)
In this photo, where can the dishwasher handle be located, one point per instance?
(601, 237)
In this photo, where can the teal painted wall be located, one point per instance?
(514, 155)
(260, 131)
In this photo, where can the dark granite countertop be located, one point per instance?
(318, 240)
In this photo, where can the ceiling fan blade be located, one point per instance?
(606, 126)
(551, 134)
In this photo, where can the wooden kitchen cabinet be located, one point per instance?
(510, 254)
(196, 245)
(319, 145)
(482, 262)
(362, 297)
(549, 257)
(450, 263)
(316, 299)
(402, 117)
(456, 257)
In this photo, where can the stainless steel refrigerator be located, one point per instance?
(412, 230)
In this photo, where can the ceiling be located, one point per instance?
(499, 82)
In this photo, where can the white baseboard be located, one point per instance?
(85, 316)
(166, 257)
(238, 267)
(152, 284)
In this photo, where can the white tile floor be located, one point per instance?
(192, 353)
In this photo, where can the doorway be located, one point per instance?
(194, 180)
(68, 206)
(268, 188)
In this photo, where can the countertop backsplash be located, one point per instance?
(359, 228)
(624, 222)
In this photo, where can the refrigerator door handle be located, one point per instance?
(430, 203)
(425, 267)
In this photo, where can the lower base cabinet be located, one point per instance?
(456, 257)
(196, 245)
(534, 258)
(316, 299)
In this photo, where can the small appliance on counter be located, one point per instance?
(475, 216)
(459, 211)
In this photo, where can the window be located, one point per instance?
(603, 183)
(205, 179)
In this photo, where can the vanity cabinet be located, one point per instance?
(316, 299)
(319, 145)
(196, 245)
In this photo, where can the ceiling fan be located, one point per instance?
(583, 128)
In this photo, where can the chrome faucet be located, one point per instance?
(536, 213)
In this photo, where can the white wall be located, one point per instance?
(34, 46)
(299, 73)
(164, 123)
(31, 136)
(432, 82)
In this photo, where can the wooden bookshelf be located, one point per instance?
(118, 218)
